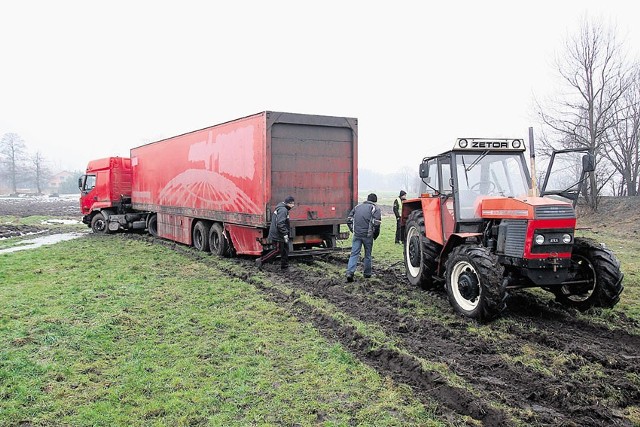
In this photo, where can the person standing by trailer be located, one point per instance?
(364, 222)
(397, 210)
(279, 234)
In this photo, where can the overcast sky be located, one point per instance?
(82, 80)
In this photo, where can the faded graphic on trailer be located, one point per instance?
(209, 188)
(209, 170)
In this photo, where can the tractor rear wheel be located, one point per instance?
(475, 282)
(595, 279)
(420, 253)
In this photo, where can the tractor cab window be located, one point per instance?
(480, 175)
(445, 187)
(430, 184)
(439, 179)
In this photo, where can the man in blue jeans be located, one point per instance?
(364, 222)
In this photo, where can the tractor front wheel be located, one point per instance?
(475, 282)
(595, 279)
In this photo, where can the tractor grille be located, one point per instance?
(515, 238)
(554, 211)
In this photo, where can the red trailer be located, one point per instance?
(216, 188)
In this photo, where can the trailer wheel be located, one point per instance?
(99, 224)
(595, 279)
(475, 282)
(420, 253)
(217, 241)
(152, 225)
(200, 236)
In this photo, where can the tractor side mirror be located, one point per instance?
(424, 170)
(588, 163)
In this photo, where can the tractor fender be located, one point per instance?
(455, 240)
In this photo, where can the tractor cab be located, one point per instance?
(474, 170)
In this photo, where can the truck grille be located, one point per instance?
(554, 211)
(516, 236)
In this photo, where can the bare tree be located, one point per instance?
(13, 152)
(595, 73)
(39, 171)
(623, 139)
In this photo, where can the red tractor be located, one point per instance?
(477, 229)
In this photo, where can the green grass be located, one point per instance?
(106, 331)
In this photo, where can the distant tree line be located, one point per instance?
(596, 107)
(20, 169)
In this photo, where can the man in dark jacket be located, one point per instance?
(364, 222)
(397, 211)
(279, 234)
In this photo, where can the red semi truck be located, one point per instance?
(216, 188)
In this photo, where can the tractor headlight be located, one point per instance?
(566, 239)
(539, 239)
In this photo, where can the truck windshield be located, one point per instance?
(479, 175)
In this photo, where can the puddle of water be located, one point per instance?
(60, 221)
(42, 241)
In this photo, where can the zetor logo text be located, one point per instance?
(489, 144)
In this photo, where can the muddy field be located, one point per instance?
(591, 378)
(66, 207)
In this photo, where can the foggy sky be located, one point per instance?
(83, 80)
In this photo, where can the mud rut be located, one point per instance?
(498, 392)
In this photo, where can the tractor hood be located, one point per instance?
(525, 208)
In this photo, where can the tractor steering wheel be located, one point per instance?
(476, 188)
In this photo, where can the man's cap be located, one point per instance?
(372, 198)
(402, 193)
(289, 199)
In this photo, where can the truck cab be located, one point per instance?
(105, 194)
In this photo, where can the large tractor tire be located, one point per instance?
(420, 253)
(99, 224)
(217, 241)
(595, 279)
(475, 282)
(200, 236)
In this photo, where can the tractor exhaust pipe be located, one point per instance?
(532, 157)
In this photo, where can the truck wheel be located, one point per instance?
(217, 241)
(420, 253)
(152, 225)
(595, 279)
(201, 236)
(475, 282)
(99, 224)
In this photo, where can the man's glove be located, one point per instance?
(286, 238)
